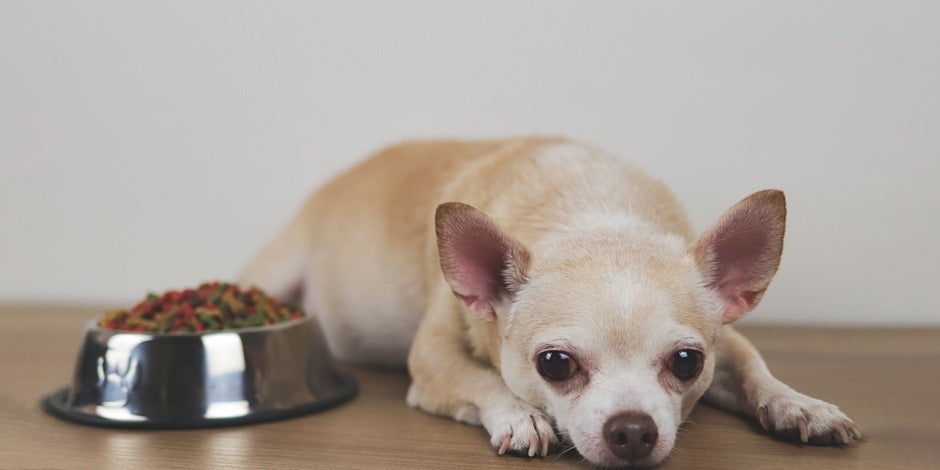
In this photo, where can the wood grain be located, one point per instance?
(888, 380)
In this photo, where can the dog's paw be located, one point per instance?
(519, 428)
(805, 418)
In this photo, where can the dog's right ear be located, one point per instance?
(483, 264)
(740, 254)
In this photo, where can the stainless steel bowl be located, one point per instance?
(186, 380)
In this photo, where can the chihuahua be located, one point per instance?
(546, 291)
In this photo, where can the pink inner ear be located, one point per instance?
(481, 263)
(741, 254)
(738, 257)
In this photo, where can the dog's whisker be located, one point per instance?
(565, 451)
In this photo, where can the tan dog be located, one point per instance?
(545, 291)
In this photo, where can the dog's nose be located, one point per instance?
(631, 435)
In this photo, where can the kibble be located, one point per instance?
(213, 306)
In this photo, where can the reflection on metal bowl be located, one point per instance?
(185, 380)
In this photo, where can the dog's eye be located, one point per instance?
(686, 364)
(556, 365)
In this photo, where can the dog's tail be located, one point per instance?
(280, 267)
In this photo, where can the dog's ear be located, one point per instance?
(483, 264)
(740, 254)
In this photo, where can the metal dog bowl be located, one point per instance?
(189, 380)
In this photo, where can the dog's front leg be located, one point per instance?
(447, 381)
(743, 384)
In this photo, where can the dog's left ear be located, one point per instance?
(740, 254)
(483, 264)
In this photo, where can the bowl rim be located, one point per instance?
(92, 326)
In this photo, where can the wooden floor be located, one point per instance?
(887, 380)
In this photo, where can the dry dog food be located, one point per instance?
(210, 307)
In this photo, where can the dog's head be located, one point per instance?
(610, 330)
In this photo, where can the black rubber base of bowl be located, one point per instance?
(54, 404)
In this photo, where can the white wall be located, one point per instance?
(150, 146)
